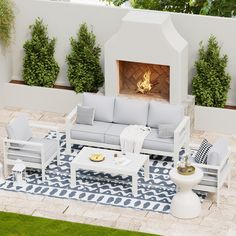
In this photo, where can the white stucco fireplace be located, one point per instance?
(147, 57)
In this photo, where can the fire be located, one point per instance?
(144, 85)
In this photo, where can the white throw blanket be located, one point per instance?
(132, 137)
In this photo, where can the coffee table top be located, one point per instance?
(109, 165)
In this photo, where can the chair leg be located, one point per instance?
(218, 197)
(175, 159)
(229, 180)
(5, 169)
(58, 157)
(43, 175)
(68, 147)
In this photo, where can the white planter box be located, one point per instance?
(216, 120)
(40, 98)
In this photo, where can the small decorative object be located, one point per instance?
(97, 157)
(185, 167)
(19, 173)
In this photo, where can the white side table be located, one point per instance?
(186, 204)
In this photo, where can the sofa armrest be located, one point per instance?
(71, 117)
(182, 133)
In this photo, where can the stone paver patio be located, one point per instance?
(213, 221)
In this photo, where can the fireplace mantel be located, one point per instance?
(146, 37)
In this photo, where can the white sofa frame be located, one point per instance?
(215, 175)
(181, 138)
(7, 147)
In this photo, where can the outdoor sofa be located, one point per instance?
(113, 114)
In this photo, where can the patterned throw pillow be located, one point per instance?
(202, 153)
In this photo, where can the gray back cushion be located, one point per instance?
(218, 152)
(103, 105)
(19, 129)
(166, 130)
(85, 115)
(130, 111)
(163, 113)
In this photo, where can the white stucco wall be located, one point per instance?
(5, 72)
(63, 21)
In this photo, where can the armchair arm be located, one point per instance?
(41, 126)
(20, 142)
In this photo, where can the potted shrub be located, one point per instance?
(40, 67)
(7, 18)
(84, 70)
(211, 82)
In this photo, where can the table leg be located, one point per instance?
(146, 170)
(135, 184)
(72, 176)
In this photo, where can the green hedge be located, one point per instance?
(40, 67)
(211, 82)
(84, 70)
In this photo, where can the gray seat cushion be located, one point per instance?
(92, 133)
(153, 142)
(103, 105)
(163, 113)
(130, 111)
(32, 154)
(112, 135)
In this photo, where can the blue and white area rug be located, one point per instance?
(153, 195)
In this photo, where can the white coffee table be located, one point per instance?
(186, 204)
(137, 161)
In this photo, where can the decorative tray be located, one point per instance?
(188, 170)
(97, 157)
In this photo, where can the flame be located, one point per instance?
(144, 85)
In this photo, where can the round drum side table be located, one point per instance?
(186, 204)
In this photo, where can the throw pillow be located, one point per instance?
(202, 153)
(85, 115)
(166, 130)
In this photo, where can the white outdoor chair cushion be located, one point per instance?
(218, 152)
(92, 133)
(103, 105)
(112, 135)
(130, 111)
(153, 142)
(162, 113)
(33, 154)
(19, 129)
(85, 115)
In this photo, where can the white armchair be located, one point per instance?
(35, 152)
(217, 170)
